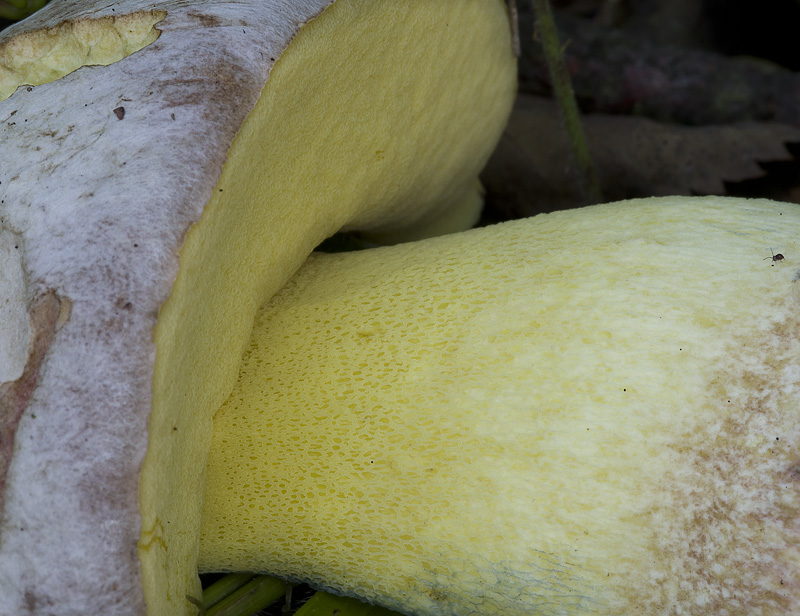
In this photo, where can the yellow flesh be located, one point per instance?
(42, 56)
(376, 114)
(590, 412)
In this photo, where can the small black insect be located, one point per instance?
(775, 257)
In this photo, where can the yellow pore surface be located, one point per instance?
(378, 113)
(41, 56)
(588, 412)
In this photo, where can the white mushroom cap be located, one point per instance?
(157, 202)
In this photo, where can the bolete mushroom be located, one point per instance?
(166, 166)
(591, 412)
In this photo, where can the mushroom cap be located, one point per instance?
(156, 202)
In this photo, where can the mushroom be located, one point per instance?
(166, 166)
(588, 412)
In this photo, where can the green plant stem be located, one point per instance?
(250, 598)
(565, 96)
(514, 18)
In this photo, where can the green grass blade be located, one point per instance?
(8, 11)
(19, 9)
(20, 4)
(250, 598)
(326, 604)
(223, 587)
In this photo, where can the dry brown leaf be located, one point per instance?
(531, 171)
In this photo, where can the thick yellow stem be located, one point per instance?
(589, 412)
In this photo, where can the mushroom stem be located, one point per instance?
(581, 413)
